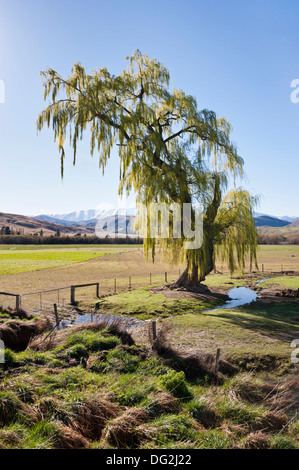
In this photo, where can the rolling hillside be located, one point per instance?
(30, 225)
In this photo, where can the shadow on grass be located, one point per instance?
(271, 320)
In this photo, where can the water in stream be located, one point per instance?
(238, 296)
(130, 322)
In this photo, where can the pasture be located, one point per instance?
(156, 395)
(27, 269)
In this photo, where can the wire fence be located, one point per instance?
(67, 297)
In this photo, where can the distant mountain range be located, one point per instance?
(85, 222)
(85, 216)
(89, 218)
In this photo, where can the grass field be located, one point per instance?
(31, 269)
(89, 388)
(20, 261)
(17, 259)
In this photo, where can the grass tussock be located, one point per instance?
(257, 440)
(91, 415)
(117, 327)
(90, 387)
(124, 431)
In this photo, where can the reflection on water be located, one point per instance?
(239, 296)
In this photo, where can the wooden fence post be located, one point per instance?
(150, 279)
(217, 361)
(154, 329)
(56, 316)
(72, 295)
(165, 277)
(98, 290)
(18, 303)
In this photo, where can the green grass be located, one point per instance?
(216, 280)
(65, 247)
(290, 282)
(19, 261)
(256, 329)
(252, 330)
(48, 406)
(144, 304)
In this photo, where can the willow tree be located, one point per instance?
(170, 152)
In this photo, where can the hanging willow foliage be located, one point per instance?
(170, 151)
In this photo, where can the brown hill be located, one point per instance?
(295, 224)
(29, 225)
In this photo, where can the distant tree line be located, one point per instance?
(278, 238)
(6, 230)
(58, 239)
(9, 236)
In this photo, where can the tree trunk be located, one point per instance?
(193, 280)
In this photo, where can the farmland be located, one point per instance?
(19, 261)
(91, 387)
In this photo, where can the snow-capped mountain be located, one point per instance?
(83, 217)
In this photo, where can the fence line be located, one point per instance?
(42, 301)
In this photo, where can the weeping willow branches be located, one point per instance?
(169, 149)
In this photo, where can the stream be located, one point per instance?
(240, 296)
(131, 322)
(237, 296)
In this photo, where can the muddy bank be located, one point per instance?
(16, 335)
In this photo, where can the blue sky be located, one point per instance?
(237, 58)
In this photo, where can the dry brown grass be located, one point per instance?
(124, 431)
(9, 438)
(273, 421)
(91, 416)
(286, 396)
(257, 440)
(71, 439)
(10, 407)
(165, 402)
